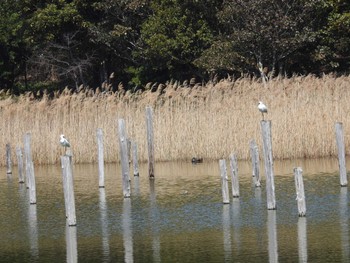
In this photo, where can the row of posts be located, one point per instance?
(269, 173)
(126, 146)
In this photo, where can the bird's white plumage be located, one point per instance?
(63, 141)
(262, 107)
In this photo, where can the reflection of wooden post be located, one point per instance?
(149, 123)
(124, 157)
(224, 182)
(267, 149)
(272, 236)
(20, 164)
(302, 239)
(134, 159)
(8, 159)
(255, 162)
(101, 173)
(234, 175)
(299, 186)
(341, 153)
(68, 189)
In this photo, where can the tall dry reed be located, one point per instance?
(205, 121)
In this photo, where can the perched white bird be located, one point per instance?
(64, 142)
(262, 108)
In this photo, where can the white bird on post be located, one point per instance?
(64, 142)
(262, 108)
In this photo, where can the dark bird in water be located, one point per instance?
(197, 160)
(262, 108)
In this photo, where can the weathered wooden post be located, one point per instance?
(8, 159)
(29, 169)
(234, 175)
(101, 172)
(341, 153)
(149, 124)
(224, 182)
(134, 159)
(254, 153)
(124, 157)
(128, 143)
(299, 186)
(68, 189)
(20, 164)
(268, 158)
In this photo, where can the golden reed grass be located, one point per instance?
(208, 121)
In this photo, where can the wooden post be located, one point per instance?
(134, 159)
(101, 172)
(234, 175)
(124, 157)
(29, 169)
(224, 182)
(341, 153)
(254, 153)
(27, 157)
(149, 124)
(299, 186)
(68, 189)
(8, 159)
(128, 143)
(20, 164)
(268, 158)
(32, 185)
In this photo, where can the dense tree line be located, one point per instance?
(50, 44)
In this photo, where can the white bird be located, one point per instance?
(262, 108)
(64, 142)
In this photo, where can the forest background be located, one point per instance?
(58, 43)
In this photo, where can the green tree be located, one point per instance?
(173, 36)
(12, 43)
(261, 32)
(333, 51)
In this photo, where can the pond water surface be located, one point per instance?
(178, 217)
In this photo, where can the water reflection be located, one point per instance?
(136, 185)
(71, 244)
(344, 222)
(104, 223)
(302, 239)
(33, 231)
(154, 215)
(226, 227)
(272, 236)
(127, 231)
(236, 222)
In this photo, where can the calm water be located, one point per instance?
(179, 217)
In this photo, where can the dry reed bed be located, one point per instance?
(209, 122)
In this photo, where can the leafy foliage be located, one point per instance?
(74, 42)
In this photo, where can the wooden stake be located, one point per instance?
(341, 153)
(254, 153)
(68, 189)
(234, 175)
(268, 158)
(30, 177)
(149, 123)
(224, 182)
(124, 158)
(20, 164)
(8, 159)
(101, 173)
(299, 186)
(134, 159)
